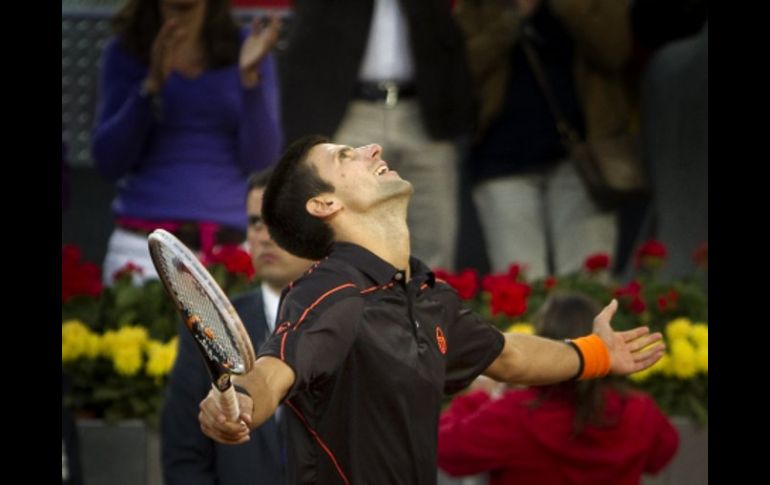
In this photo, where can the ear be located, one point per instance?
(323, 206)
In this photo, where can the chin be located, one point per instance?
(405, 187)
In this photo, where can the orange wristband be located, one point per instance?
(596, 357)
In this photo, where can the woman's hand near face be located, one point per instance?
(255, 48)
(162, 56)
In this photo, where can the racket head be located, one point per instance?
(209, 316)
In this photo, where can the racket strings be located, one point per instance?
(212, 331)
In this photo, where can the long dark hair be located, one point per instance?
(567, 315)
(139, 21)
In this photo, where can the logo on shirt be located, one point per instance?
(440, 340)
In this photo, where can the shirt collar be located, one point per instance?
(271, 300)
(377, 268)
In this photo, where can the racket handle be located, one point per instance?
(228, 401)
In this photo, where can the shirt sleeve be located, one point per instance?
(259, 134)
(124, 117)
(314, 340)
(472, 345)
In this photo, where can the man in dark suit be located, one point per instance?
(388, 70)
(189, 457)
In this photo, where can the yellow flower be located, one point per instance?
(113, 341)
(664, 366)
(127, 360)
(683, 358)
(74, 340)
(700, 334)
(702, 359)
(678, 328)
(160, 357)
(521, 327)
(642, 375)
(132, 336)
(93, 346)
(108, 343)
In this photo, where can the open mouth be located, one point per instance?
(381, 170)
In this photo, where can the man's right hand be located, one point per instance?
(214, 424)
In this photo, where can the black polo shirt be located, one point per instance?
(373, 357)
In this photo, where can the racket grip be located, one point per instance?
(228, 401)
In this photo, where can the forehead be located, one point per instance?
(254, 201)
(324, 152)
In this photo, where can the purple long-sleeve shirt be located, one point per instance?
(191, 163)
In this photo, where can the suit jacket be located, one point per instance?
(191, 458)
(325, 47)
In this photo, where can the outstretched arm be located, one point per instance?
(266, 384)
(528, 359)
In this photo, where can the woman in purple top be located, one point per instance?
(188, 108)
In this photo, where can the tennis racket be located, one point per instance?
(208, 314)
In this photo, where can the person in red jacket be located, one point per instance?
(576, 432)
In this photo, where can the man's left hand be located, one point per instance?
(631, 350)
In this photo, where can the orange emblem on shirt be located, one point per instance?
(440, 340)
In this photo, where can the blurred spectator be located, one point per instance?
(584, 432)
(533, 206)
(188, 108)
(389, 70)
(674, 129)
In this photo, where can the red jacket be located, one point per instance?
(520, 445)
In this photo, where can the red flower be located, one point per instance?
(78, 278)
(673, 296)
(514, 270)
(127, 269)
(597, 262)
(638, 305)
(509, 297)
(662, 302)
(466, 282)
(701, 255)
(234, 259)
(549, 282)
(631, 289)
(651, 254)
(668, 300)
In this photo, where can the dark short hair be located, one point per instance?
(258, 180)
(293, 182)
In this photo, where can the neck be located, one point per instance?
(191, 47)
(385, 234)
(274, 286)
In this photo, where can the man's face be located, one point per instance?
(361, 178)
(272, 264)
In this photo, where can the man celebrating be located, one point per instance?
(368, 342)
